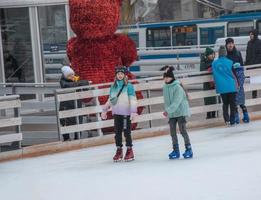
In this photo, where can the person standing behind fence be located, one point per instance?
(226, 84)
(240, 98)
(205, 65)
(122, 100)
(253, 52)
(176, 109)
(69, 80)
(232, 52)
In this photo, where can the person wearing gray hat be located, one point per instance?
(226, 84)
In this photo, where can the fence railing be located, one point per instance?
(9, 123)
(145, 86)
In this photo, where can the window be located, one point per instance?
(53, 31)
(159, 37)
(17, 46)
(239, 28)
(184, 36)
(211, 34)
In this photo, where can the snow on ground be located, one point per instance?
(226, 166)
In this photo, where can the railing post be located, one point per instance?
(100, 133)
(149, 106)
(57, 115)
(77, 118)
(18, 127)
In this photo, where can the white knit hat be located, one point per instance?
(66, 70)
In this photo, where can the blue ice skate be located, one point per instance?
(188, 153)
(245, 117)
(175, 154)
(237, 118)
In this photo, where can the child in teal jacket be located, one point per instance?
(124, 109)
(176, 109)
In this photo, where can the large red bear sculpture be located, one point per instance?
(97, 50)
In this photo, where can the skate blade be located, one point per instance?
(120, 160)
(173, 158)
(129, 160)
(188, 157)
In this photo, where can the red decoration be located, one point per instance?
(97, 50)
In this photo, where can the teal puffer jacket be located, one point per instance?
(175, 100)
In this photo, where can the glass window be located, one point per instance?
(210, 35)
(159, 37)
(239, 28)
(184, 36)
(53, 30)
(17, 47)
(204, 35)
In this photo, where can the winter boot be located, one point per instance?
(245, 117)
(119, 154)
(129, 156)
(175, 154)
(237, 118)
(188, 153)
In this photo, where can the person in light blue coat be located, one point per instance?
(176, 109)
(226, 84)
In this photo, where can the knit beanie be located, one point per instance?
(169, 73)
(66, 70)
(222, 51)
(209, 51)
(122, 69)
(229, 40)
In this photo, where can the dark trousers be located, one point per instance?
(229, 100)
(182, 127)
(122, 124)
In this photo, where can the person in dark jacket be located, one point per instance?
(205, 65)
(253, 52)
(69, 80)
(232, 53)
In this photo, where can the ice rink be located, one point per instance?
(226, 166)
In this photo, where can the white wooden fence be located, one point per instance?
(155, 83)
(7, 136)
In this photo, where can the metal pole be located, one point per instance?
(57, 115)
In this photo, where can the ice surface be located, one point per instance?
(226, 166)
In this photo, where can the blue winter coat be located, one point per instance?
(225, 81)
(240, 99)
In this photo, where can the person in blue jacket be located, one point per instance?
(226, 84)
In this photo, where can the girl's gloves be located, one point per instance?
(133, 116)
(165, 114)
(104, 115)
